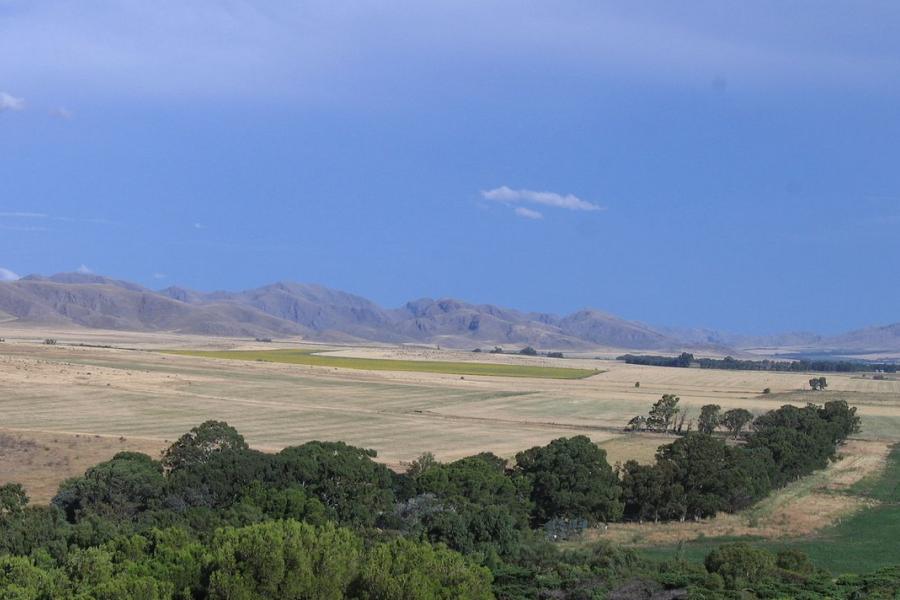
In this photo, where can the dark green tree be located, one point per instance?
(425, 461)
(663, 412)
(13, 499)
(479, 480)
(842, 418)
(119, 488)
(735, 420)
(344, 478)
(710, 415)
(799, 440)
(293, 503)
(698, 463)
(652, 492)
(571, 478)
(219, 480)
(201, 443)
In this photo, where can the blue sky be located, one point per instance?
(721, 164)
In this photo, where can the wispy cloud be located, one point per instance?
(10, 102)
(321, 49)
(92, 220)
(528, 213)
(23, 215)
(62, 113)
(510, 197)
(199, 226)
(23, 228)
(7, 275)
(159, 276)
(39, 215)
(84, 270)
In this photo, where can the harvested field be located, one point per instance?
(133, 391)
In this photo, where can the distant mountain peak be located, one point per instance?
(315, 311)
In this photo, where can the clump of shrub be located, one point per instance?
(818, 384)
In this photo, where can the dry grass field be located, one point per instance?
(39, 460)
(61, 397)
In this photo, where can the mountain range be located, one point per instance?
(315, 312)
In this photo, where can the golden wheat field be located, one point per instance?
(84, 402)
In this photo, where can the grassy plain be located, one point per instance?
(316, 358)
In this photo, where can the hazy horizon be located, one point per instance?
(716, 165)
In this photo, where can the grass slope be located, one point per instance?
(866, 541)
(309, 357)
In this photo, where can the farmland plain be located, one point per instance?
(83, 402)
(317, 357)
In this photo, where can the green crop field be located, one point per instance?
(310, 357)
(861, 543)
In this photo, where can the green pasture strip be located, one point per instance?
(862, 543)
(884, 486)
(309, 357)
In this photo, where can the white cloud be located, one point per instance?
(7, 275)
(528, 213)
(84, 270)
(62, 113)
(510, 196)
(10, 102)
(199, 226)
(159, 276)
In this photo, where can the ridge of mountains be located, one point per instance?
(318, 313)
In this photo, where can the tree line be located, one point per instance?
(665, 416)
(686, 359)
(700, 474)
(215, 519)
